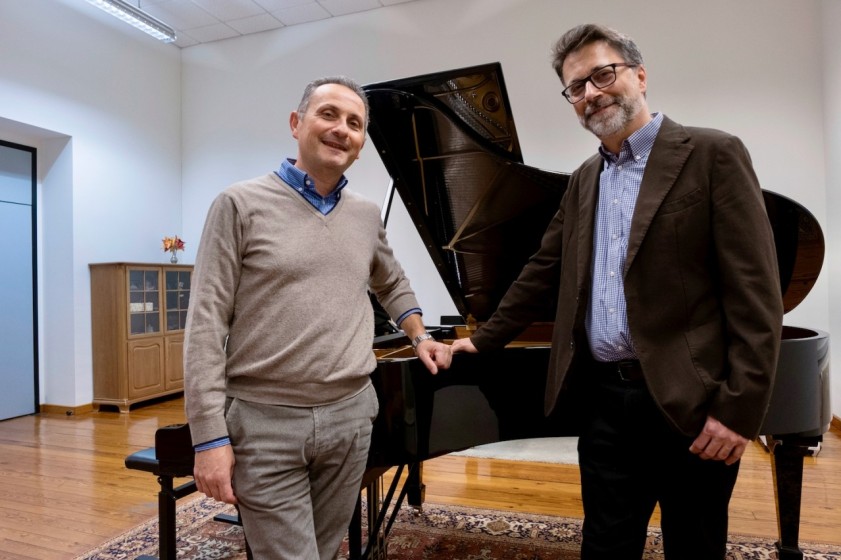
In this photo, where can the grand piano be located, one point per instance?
(449, 144)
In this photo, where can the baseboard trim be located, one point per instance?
(66, 410)
(836, 423)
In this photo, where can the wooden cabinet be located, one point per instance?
(138, 315)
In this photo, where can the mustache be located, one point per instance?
(597, 104)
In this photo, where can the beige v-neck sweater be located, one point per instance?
(279, 310)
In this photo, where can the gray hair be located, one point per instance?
(340, 80)
(583, 35)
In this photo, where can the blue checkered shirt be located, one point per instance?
(619, 184)
(305, 186)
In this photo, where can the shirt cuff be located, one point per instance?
(212, 444)
(409, 312)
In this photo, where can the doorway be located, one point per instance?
(18, 281)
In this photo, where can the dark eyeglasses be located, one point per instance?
(601, 78)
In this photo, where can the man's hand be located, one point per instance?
(719, 443)
(434, 355)
(213, 472)
(464, 345)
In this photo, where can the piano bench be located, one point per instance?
(146, 460)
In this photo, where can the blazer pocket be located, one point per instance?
(681, 203)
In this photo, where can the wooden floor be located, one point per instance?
(65, 490)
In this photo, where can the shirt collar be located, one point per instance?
(298, 179)
(638, 144)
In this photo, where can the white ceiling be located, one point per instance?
(203, 21)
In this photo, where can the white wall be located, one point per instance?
(107, 103)
(831, 18)
(754, 68)
(102, 105)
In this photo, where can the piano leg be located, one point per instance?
(415, 486)
(787, 467)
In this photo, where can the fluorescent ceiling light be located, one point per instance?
(138, 18)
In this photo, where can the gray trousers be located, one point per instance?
(298, 473)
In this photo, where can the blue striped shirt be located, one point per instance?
(619, 184)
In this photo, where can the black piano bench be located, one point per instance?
(167, 470)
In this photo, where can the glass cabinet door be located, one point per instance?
(177, 299)
(144, 301)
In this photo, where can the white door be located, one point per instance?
(18, 374)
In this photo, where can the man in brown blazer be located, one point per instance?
(669, 312)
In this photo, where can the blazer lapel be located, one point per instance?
(588, 194)
(668, 156)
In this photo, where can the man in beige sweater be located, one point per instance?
(278, 348)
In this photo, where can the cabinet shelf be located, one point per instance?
(138, 316)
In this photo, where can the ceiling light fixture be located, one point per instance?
(137, 17)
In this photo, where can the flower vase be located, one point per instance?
(174, 258)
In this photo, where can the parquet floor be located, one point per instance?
(65, 490)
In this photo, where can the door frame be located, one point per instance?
(34, 237)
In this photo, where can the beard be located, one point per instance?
(610, 122)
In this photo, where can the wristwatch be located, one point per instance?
(420, 338)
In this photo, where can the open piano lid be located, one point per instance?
(449, 143)
(800, 247)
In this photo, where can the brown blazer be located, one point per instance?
(701, 282)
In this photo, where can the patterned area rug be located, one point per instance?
(439, 532)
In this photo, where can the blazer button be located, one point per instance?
(572, 345)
